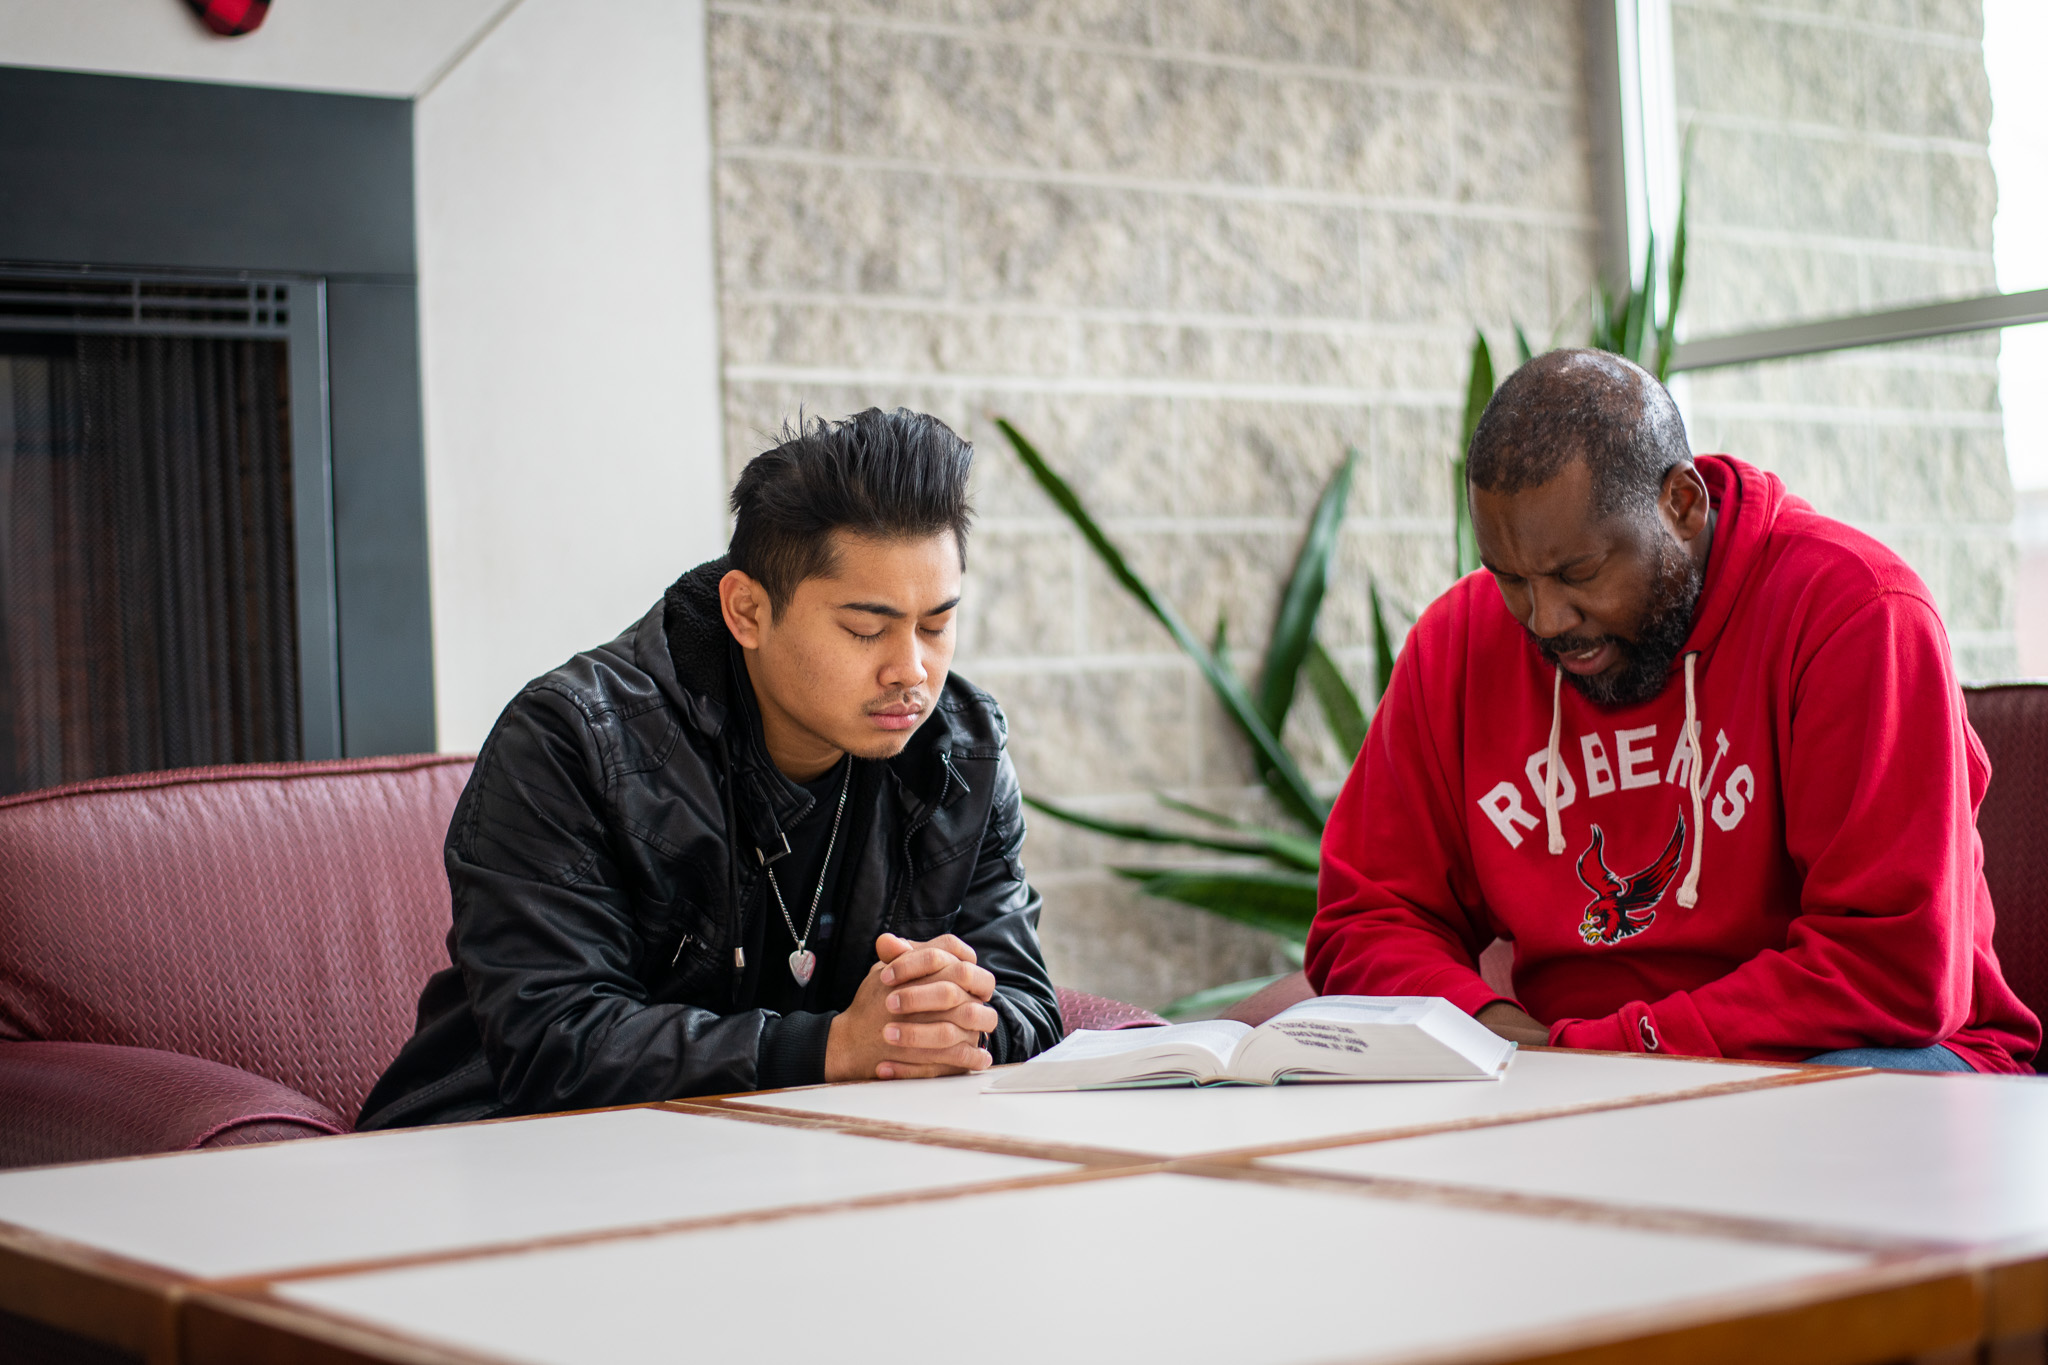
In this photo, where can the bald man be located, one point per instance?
(1697, 750)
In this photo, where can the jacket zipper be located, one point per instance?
(732, 879)
(923, 819)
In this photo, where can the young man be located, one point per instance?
(1696, 749)
(761, 839)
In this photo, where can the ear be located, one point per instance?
(1683, 502)
(743, 603)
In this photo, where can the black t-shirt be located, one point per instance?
(798, 874)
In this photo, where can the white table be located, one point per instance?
(1948, 1158)
(143, 1227)
(1240, 1224)
(1139, 1268)
(1187, 1122)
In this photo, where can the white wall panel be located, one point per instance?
(569, 339)
(358, 47)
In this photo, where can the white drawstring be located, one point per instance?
(1556, 826)
(1689, 889)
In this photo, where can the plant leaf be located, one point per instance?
(1479, 388)
(1302, 599)
(1340, 704)
(1154, 834)
(1281, 903)
(1601, 335)
(1642, 305)
(1382, 645)
(1667, 331)
(1285, 778)
(1291, 849)
(1524, 352)
(1217, 998)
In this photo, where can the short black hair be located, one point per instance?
(897, 475)
(1580, 405)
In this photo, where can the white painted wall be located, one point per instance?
(360, 47)
(568, 320)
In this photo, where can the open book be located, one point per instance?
(1330, 1038)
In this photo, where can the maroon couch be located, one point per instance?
(2012, 720)
(218, 956)
(215, 955)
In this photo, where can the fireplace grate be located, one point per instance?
(79, 300)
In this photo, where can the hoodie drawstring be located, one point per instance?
(1689, 889)
(1556, 826)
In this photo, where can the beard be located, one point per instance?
(1646, 660)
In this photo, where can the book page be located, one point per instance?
(1371, 1038)
(1215, 1036)
(1088, 1058)
(1362, 1009)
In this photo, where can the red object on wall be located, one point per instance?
(231, 18)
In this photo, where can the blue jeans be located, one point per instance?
(1935, 1058)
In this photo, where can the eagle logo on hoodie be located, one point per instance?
(1623, 907)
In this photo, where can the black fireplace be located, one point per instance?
(212, 481)
(166, 546)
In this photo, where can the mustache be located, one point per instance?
(1558, 645)
(914, 700)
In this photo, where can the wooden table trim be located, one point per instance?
(636, 1231)
(128, 1305)
(1864, 1315)
(1858, 1317)
(1561, 1208)
(750, 1104)
(152, 1311)
(133, 1305)
(252, 1327)
(952, 1138)
(2019, 1299)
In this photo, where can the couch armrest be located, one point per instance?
(86, 1101)
(1078, 1009)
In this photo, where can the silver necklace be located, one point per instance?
(803, 962)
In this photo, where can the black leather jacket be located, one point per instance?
(609, 910)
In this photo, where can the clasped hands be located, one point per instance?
(922, 1011)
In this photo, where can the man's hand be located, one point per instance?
(1511, 1023)
(921, 1011)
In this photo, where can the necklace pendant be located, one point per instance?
(802, 964)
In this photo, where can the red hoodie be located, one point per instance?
(1839, 899)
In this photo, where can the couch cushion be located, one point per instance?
(277, 918)
(2012, 720)
(1078, 1010)
(88, 1101)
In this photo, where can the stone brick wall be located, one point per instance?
(1195, 248)
(1841, 166)
(1194, 251)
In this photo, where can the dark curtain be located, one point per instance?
(147, 608)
